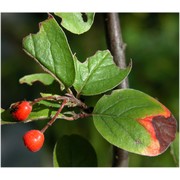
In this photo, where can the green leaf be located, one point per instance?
(134, 121)
(76, 23)
(98, 74)
(175, 149)
(74, 151)
(40, 111)
(49, 47)
(44, 78)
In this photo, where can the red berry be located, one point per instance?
(21, 110)
(33, 140)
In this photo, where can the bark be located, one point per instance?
(117, 49)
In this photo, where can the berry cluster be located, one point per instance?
(34, 139)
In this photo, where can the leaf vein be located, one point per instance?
(124, 129)
(34, 50)
(91, 72)
(51, 54)
(113, 115)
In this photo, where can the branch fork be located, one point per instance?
(68, 100)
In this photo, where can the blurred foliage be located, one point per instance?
(153, 45)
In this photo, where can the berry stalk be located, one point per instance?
(55, 116)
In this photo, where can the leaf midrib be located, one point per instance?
(117, 116)
(95, 68)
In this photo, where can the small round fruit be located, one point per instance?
(33, 140)
(21, 110)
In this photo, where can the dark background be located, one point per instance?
(153, 45)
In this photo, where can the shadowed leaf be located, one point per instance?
(74, 151)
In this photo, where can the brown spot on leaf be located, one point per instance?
(162, 129)
(165, 130)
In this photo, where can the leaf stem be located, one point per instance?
(117, 48)
(69, 91)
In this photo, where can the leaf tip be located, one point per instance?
(162, 132)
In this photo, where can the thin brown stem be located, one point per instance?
(70, 98)
(77, 101)
(117, 48)
(55, 117)
(40, 99)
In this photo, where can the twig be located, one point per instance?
(76, 101)
(70, 98)
(117, 48)
(55, 117)
(42, 98)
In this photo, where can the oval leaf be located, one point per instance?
(49, 47)
(44, 78)
(134, 121)
(76, 23)
(98, 74)
(74, 151)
